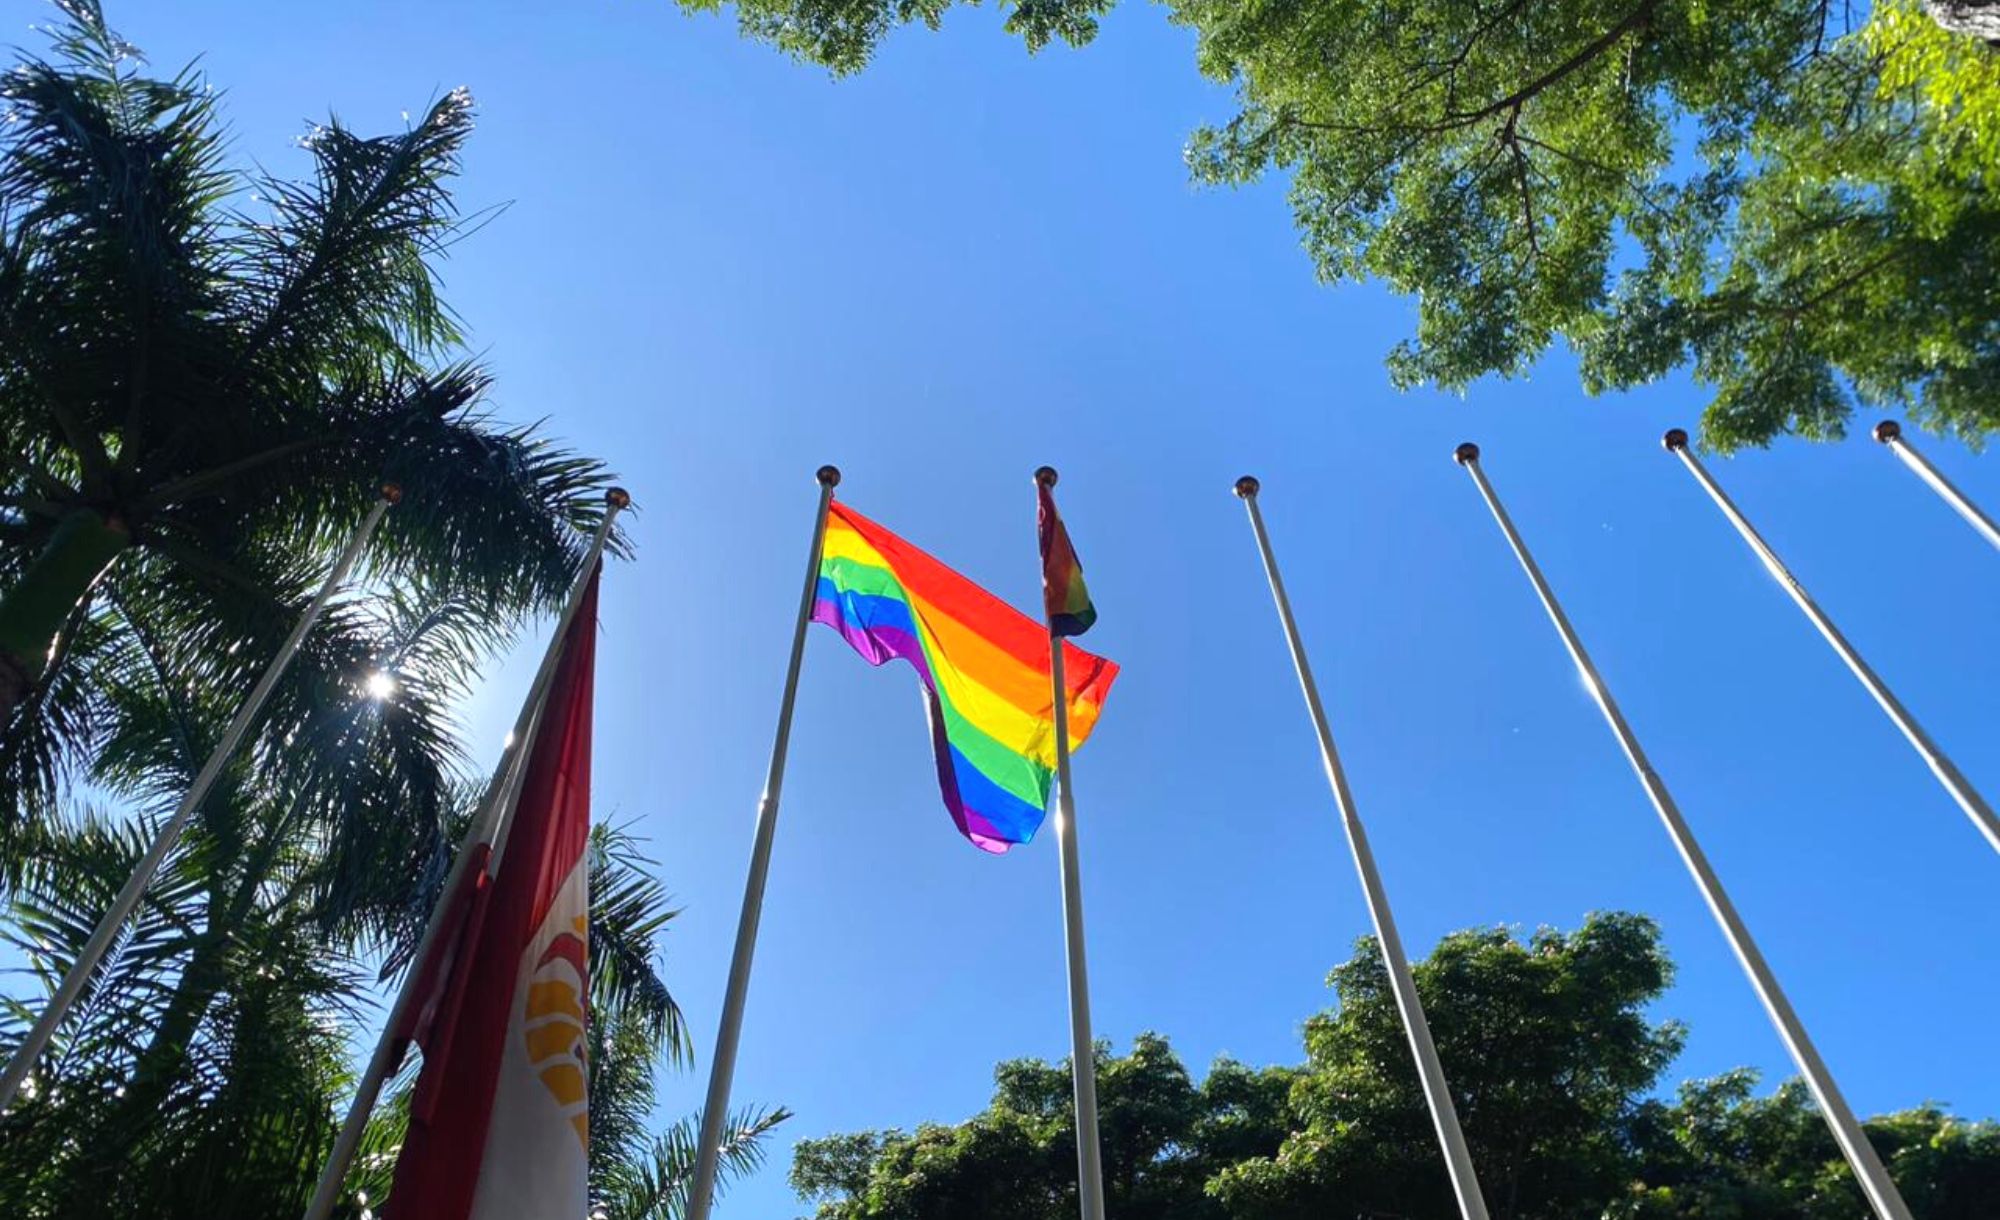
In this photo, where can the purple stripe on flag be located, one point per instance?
(878, 645)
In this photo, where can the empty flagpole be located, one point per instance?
(1954, 781)
(169, 833)
(1082, 1046)
(1875, 1181)
(1890, 433)
(722, 1068)
(488, 821)
(1430, 1070)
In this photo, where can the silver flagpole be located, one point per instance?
(1430, 1070)
(1890, 433)
(496, 808)
(722, 1069)
(1083, 1048)
(1947, 772)
(1847, 1132)
(169, 834)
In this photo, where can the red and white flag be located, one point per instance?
(499, 1121)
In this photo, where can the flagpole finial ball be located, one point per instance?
(827, 476)
(1248, 486)
(618, 498)
(392, 493)
(1466, 454)
(1675, 440)
(1045, 476)
(1888, 430)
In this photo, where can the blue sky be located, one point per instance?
(720, 269)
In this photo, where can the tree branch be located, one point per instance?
(1556, 75)
(1510, 139)
(1642, 191)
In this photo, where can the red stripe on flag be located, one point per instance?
(441, 980)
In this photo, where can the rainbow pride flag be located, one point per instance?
(984, 666)
(1065, 600)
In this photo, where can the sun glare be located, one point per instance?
(380, 685)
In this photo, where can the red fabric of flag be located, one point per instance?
(501, 1027)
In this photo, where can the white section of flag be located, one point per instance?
(536, 1165)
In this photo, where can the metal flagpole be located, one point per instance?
(169, 834)
(722, 1069)
(1890, 433)
(1847, 1132)
(1083, 1048)
(1961, 789)
(488, 822)
(1430, 1070)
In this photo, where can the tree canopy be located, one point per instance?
(200, 395)
(1794, 208)
(1555, 1066)
(209, 372)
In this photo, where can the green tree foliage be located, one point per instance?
(1798, 212)
(203, 1073)
(1163, 1135)
(1717, 1150)
(206, 373)
(1554, 1064)
(1546, 1044)
(199, 1065)
(636, 1028)
(843, 34)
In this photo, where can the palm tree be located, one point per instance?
(199, 1074)
(206, 375)
(196, 407)
(198, 1070)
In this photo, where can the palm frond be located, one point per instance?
(623, 1063)
(373, 1170)
(53, 734)
(657, 1187)
(629, 908)
(74, 868)
(110, 185)
(247, 1125)
(340, 276)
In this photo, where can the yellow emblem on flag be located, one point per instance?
(553, 1021)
